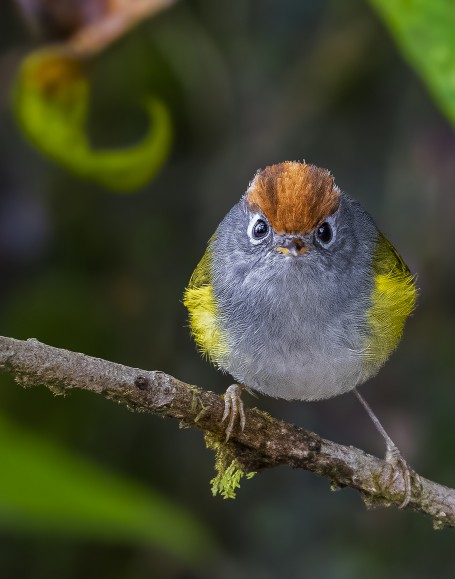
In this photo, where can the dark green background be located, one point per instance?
(248, 83)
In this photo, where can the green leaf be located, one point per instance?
(43, 488)
(425, 32)
(51, 98)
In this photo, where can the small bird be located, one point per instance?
(299, 295)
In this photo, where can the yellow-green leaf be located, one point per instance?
(46, 489)
(51, 99)
(425, 32)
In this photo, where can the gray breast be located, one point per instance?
(296, 326)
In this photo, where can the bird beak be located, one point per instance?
(293, 246)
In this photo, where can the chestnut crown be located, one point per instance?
(295, 197)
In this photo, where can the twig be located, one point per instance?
(266, 442)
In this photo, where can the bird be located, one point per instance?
(299, 295)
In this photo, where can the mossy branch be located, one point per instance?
(266, 442)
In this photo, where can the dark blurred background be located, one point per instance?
(248, 83)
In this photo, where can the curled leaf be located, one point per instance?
(51, 100)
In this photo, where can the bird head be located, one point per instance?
(291, 207)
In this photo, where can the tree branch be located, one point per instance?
(266, 442)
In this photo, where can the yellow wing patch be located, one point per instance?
(200, 301)
(393, 299)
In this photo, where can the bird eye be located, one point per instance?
(324, 233)
(260, 229)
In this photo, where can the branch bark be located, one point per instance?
(266, 442)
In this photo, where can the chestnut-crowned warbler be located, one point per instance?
(299, 296)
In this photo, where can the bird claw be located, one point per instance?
(397, 465)
(394, 460)
(233, 408)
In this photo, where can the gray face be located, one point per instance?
(293, 307)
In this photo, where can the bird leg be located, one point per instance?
(393, 456)
(233, 408)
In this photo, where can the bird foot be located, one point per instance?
(233, 408)
(395, 463)
(397, 466)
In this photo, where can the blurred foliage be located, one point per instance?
(44, 488)
(51, 100)
(424, 31)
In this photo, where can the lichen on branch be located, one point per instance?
(265, 442)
